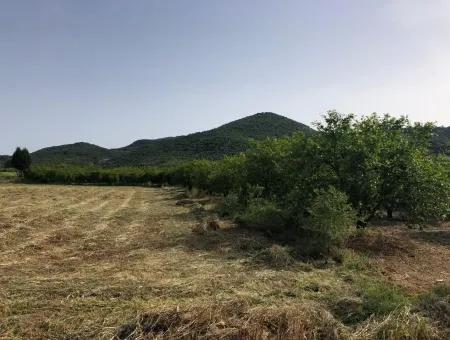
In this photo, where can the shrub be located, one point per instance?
(228, 175)
(231, 205)
(330, 221)
(262, 215)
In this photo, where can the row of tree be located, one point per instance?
(310, 187)
(380, 163)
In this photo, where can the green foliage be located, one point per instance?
(329, 222)
(21, 159)
(381, 298)
(370, 157)
(441, 140)
(70, 174)
(231, 205)
(5, 161)
(262, 215)
(229, 175)
(307, 186)
(427, 197)
(375, 297)
(229, 139)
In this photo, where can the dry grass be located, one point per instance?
(96, 262)
(415, 259)
(7, 176)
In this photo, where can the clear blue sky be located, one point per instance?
(111, 72)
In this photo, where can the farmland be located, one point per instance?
(95, 262)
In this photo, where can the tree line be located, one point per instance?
(317, 186)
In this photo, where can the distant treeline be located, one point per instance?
(73, 174)
(351, 169)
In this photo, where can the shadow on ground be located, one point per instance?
(440, 237)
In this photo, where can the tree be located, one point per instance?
(380, 161)
(21, 160)
(7, 164)
(330, 222)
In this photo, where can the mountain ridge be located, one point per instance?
(227, 139)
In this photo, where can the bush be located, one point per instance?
(228, 175)
(231, 205)
(330, 221)
(262, 215)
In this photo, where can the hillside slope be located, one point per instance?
(441, 140)
(77, 153)
(227, 139)
(3, 159)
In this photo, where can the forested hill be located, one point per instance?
(227, 139)
(3, 159)
(441, 140)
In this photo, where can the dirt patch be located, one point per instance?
(415, 259)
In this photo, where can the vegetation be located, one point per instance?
(436, 304)
(228, 139)
(4, 160)
(78, 154)
(308, 189)
(441, 140)
(21, 160)
(72, 174)
(7, 175)
(330, 221)
(80, 262)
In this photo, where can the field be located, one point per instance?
(7, 176)
(96, 262)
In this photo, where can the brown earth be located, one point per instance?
(415, 259)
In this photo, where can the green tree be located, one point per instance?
(330, 220)
(7, 164)
(21, 160)
(427, 195)
(378, 161)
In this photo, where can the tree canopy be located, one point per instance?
(21, 159)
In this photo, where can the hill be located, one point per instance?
(227, 139)
(77, 153)
(441, 140)
(3, 159)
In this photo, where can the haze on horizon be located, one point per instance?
(111, 72)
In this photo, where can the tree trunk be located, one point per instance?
(389, 213)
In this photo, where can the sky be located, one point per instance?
(110, 72)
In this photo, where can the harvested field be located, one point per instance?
(414, 259)
(99, 262)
